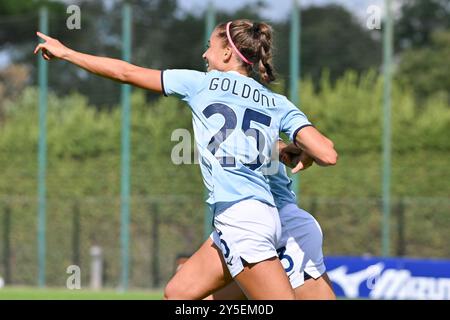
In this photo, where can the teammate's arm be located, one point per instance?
(315, 144)
(114, 69)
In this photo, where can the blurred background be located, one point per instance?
(79, 188)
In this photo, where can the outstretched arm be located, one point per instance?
(114, 69)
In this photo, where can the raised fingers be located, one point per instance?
(43, 36)
(39, 47)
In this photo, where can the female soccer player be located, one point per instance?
(236, 121)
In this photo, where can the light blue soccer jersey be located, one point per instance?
(236, 123)
(280, 186)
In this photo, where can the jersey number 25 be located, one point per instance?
(230, 125)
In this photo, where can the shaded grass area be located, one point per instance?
(29, 293)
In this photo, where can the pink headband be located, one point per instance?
(234, 47)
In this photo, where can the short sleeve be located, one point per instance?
(293, 121)
(182, 83)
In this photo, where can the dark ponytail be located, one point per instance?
(254, 41)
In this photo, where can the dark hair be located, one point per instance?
(254, 42)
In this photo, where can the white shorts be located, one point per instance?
(300, 245)
(248, 230)
(300, 248)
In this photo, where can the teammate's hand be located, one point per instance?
(289, 154)
(304, 162)
(51, 47)
(295, 158)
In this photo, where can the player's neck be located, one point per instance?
(238, 70)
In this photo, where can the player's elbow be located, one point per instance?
(329, 158)
(332, 158)
(126, 74)
(330, 155)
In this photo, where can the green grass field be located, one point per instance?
(30, 293)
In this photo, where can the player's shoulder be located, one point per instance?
(280, 97)
(283, 102)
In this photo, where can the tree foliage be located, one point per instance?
(331, 38)
(426, 70)
(418, 20)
